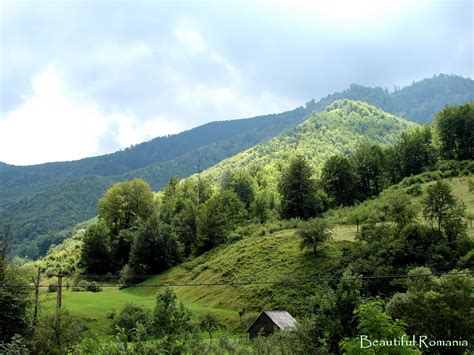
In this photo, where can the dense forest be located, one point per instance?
(409, 252)
(47, 200)
(417, 102)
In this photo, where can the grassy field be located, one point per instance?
(273, 257)
(258, 258)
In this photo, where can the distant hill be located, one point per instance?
(417, 102)
(45, 200)
(339, 129)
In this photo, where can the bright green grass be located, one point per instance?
(95, 307)
(273, 257)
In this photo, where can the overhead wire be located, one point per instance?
(275, 282)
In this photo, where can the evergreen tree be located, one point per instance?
(298, 191)
(242, 183)
(440, 207)
(95, 252)
(338, 180)
(155, 248)
(369, 162)
(218, 217)
(186, 226)
(454, 127)
(121, 245)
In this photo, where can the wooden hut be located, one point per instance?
(270, 321)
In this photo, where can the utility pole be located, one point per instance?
(37, 285)
(59, 292)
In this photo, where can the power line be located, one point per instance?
(436, 266)
(277, 282)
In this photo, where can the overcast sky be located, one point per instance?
(82, 78)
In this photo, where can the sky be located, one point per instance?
(84, 78)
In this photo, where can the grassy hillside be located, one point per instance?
(271, 253)
(339, 129)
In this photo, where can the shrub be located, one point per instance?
(127, 276)
(470, 184)
(415, 190)
(83, 286)
(128, 318)
(93, 287)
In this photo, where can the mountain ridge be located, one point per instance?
(337, 130)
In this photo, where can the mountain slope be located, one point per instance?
(417, 102)
(339, 129)
(31, 196)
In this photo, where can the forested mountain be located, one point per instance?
(417, 102)
(157, 150)
(339, 129)
(43, 200)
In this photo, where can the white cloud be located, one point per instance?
(56, 124)
(190, 38)
(231, 96)
(119, 55)
(63, 119)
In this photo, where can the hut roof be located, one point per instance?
(282, 319)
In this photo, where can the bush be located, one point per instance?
(80, 286)
(127, 276)
(57, 333)
(83, 286)
(470, 184)
(17, 345)
(93, 287)
(415, 190)
(52, 287)
(129, 317)
(111, 314)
